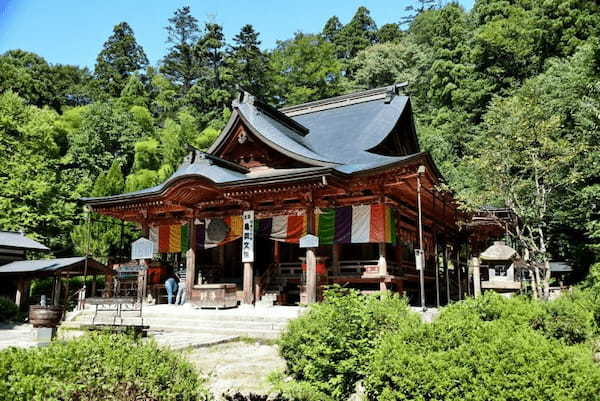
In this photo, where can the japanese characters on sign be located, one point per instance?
(248, 236)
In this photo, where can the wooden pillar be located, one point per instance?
(248, 283)
(276, 252)
(476, 277)
(458, 271)
(446, 273)
(311, 261)
(66, 296)
(93, 289)
(382, 263)
(436, 254)
(335, 259)
(21, 294)
(311, 276)
(108, 285)
(56, 291)
(190, 262)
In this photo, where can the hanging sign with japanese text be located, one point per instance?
(248, 236)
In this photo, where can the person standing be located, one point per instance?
(180, 299)
(171, 286)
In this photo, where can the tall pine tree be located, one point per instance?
(248, 63)
(120, 57)
(180, 65)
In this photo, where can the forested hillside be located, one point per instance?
(506, 97)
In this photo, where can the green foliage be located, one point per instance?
(329, 347)
(570, 318)
(305, 68)
(181, 65)
(98, 367)
(9, 312)
(120, 57)
(483, 360)
(248, 63)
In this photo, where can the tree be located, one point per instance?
(249, 64)
(42, 84)
(529, 164)
(332, 28)
(305, 68)
(181, 65)
(355, 36)
(120, 57)
(389, 33)
(34, 194)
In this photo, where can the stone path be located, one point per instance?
(237, 366)
(16, 336)
(180, 341)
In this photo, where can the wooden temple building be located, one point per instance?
(346, 169)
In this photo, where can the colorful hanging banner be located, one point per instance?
(356, 224)
(171, 238)
(282, 228)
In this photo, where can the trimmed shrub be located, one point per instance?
(9, 311)
(329, 347)
(492, 360)
(99, 367)
(569, 318)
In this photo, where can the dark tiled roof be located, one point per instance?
(49, 265)
(333, 135)
(14, 240)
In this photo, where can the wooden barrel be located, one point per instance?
(45, 316)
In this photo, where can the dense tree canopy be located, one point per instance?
(498, 92)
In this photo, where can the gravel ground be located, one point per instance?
(237, 366)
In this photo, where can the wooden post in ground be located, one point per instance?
(437, 268)
(248, 283)
(21, 295)
(311, 261)
(57, 289)
(445, 254)
(93, 289)
(476, 277)
(382, 264)
(190, 262)
(311, 276)
(335, 259)
(459, 268)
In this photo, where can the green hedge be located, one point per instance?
(570, 318)
(98, 367)
(487, 361)
(9, 311)
(328, 348)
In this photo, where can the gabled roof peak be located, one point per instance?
(202, 157)
(387, 93)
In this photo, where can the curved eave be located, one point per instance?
(237, 115)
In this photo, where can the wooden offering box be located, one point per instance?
(214, 295)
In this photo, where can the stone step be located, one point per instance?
(221, 331)
(170, 321)
(191, 317)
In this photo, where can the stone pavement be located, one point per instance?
(20, 335)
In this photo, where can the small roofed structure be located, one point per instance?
(14, 245)
(502, 274)
(23, 271)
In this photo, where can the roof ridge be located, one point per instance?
(385, 92)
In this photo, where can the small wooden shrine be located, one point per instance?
(346, 169)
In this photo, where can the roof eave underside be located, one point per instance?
(313, 173)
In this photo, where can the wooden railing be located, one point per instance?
(346, 268)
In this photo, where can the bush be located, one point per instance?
(9, 312)
(329, 347)
(569, 318)
(98, 367)
(491, 360)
